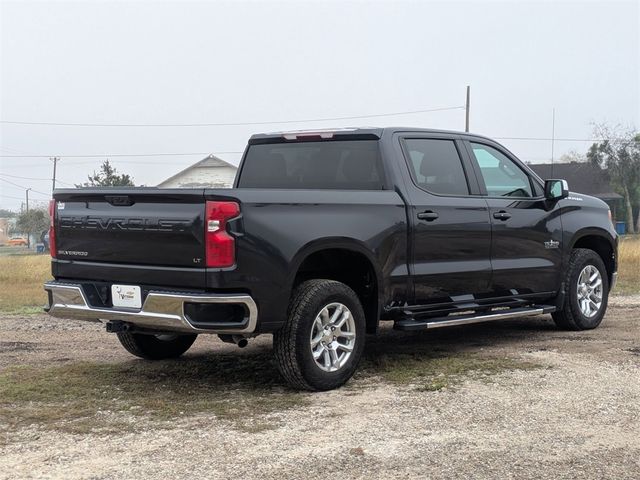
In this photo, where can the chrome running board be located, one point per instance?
(411, 323)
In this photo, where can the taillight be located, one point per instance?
(220, 247)
(52, 229)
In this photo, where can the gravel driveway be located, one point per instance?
(575, 415)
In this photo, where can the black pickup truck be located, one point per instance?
(325, 234)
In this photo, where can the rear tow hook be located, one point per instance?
(117, 326)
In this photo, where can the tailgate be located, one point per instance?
(141, 226)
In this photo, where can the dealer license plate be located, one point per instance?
(126, 296)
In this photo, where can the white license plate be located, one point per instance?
(126, 296)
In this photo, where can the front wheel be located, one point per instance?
(587, 292)
(321, 343)
(156, 347)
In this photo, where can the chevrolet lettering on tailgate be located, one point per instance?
(143, 224)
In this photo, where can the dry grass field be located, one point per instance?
(629, 266)
(22, 276)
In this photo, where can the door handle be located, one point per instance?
(502, 215)
(429, 216)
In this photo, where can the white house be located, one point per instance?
(209, 172)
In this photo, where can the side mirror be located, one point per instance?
(556, 189)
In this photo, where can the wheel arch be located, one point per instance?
(601, 242)
(345, 260)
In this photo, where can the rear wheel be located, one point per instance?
(587, 292)
(322, 341)
(156, 347)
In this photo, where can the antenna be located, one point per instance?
(466, 109)
(553, 136)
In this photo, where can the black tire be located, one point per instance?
(156, 347)
(291, 343)
(570, 317)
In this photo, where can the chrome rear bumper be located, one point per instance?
(161, 311)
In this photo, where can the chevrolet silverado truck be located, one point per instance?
(324, 235)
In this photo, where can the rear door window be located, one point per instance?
(339, 165)
(436, 166)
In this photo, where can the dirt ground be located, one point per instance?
(576, 415)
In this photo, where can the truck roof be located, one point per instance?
(350, 133)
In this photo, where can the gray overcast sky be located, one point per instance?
(183, 62)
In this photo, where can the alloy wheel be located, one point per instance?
(590, 290)
(333, 337)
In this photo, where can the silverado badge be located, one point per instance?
(551, 244)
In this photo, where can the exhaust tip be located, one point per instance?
(239, 340)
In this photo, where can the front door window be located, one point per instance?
(502, 177)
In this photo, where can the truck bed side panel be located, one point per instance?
(279, 228)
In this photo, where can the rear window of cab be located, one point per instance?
(324, 165)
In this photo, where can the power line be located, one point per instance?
(24, 188)
(10, 196)
(24, 178)
(34, 178)
(12, 183)
(7, 149)
(231, 124)
(124, 162)
(103, 155)
(115, 161)
(545, 139)
(48, 195)
(234, 152)
(65, 183)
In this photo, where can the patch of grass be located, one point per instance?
(96, 397)
(21, 278)
(629, 265)
(434, 386)
(243, 389)
(432, 371)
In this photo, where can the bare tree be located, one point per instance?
(618, 151)
(572, 156)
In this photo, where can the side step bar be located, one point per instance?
(410, 323)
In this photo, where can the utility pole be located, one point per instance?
(466, 108)
(55, 161)
(553, 136)
(28, 236)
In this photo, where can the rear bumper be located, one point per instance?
(161, 311)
